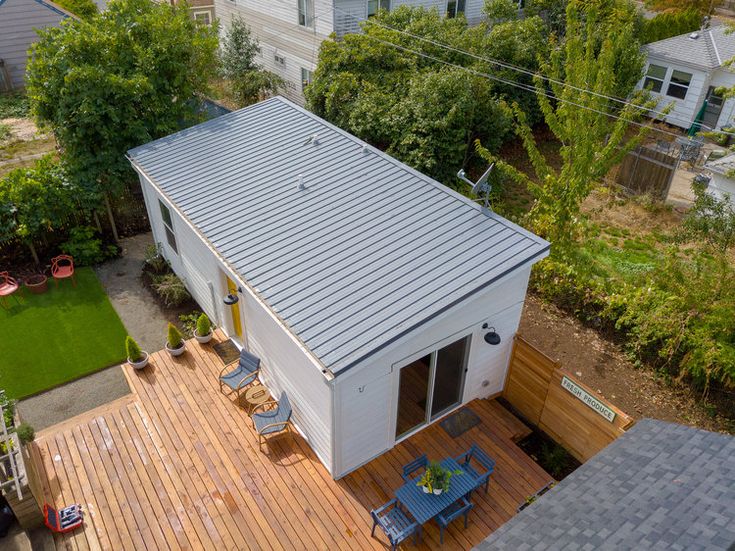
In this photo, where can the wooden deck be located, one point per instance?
(176, 465)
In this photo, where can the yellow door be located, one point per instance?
(235, 308)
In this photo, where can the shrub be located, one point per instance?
(171, 289)
(189, 322)
(13, 106)
(8, 406)
(86, 247)
(155, 260)
(84, 9)
(5, 132)
(203, 325)
(668, 24)
(133, 350)
(26, 433)
(175, 338)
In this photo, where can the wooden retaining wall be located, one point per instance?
(534, 388)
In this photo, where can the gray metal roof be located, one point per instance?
(711, 49)
(723, 165)
(659, 486)
(369, 250)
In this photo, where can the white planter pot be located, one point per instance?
(205, 339)
(438, 492)
(176, 351)
(142, 363)
(425, 489)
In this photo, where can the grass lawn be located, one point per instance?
(58, 336)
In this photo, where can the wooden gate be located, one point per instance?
(647, 170)
(559, 404)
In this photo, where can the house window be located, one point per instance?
(169, 226)
(679, 84)
(373, 6)
(202, 17)
(280, 60)
(655, 78)
(306, 13)
(306, 78)
(455, 7)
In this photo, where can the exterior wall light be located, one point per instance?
(491, 337)
(232, 298)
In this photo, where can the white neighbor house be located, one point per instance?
(723, 178)
(366, 288)
(291, 31)
(687, 70)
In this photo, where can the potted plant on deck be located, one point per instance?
(136, 357)
(435, 479)
(203, 330)
(175, 342)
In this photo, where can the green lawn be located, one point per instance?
(58, 336)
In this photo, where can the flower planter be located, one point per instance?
(438, 492)
(140, 364)
(37, 284)
(425, 489)
(205, 339)
(176, 351)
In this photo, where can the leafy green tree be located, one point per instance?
(711, 220)
(584, 72)
(501, 10)
(670, 23)
(238, 50)
(122, 80)
(256, 85)
(84, 9)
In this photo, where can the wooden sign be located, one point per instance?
(589, 400)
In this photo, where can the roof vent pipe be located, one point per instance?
(301, 182)
(313, 140)
(364, 149)
(694, 36)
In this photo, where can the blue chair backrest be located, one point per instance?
(482, 458)
(415, 465)
(284, 407)
(249, 362)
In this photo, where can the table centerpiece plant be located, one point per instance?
(436, 479)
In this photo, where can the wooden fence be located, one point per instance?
(559, 404)
(647, 170)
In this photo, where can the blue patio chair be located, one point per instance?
(245, 373)
(485, 462)
(396, 524)
(274, 420)
(417, 464)
(454, 511)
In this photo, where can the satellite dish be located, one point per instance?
(481, 187)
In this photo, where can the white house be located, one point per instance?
(290, 32)
(368, 290)
(723, 177)
(19, 20)
(689, 69)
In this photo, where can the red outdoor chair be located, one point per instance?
(8, 286)
(62, 267)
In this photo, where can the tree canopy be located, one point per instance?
(122, 80)
(84, 9)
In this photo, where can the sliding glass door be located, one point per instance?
(430, 386)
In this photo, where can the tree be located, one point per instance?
(256, 85)
(238, 51)
(597, 59)
(84, 9)
(670, 23)
(711, 220)
(124, 79)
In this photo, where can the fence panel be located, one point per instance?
(647, 170)
(528, 380)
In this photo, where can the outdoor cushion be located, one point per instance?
(278, 417)
(247, 368)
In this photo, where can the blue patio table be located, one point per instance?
(425, 506)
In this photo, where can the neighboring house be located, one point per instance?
(723, 177)
(373, 294)
(659, 486)
(290, 32)
(688, 70)
(201, 10)
(19, 20)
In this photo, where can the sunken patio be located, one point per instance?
(176, 465)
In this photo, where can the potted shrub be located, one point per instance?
(36, 283)
(175, 342)
(136, 357)
(436, 479)
(203, 330)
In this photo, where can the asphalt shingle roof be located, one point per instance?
(711, 49)
(723, 165)
(367, 251)
(660, 486)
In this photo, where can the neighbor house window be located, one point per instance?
(306, 78)
(168, 225)
(373, 6)
(655, 78)
(679, 84)
(306, 13)
(280, 60)
(202, 17)
(455, 7)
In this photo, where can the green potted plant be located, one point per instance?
(136, 357)
(175, 342)
(203, 330)
(435, 479)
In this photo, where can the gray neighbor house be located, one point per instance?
(19, 20)
(659, 486)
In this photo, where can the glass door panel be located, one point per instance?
(448, 377)
(412, 392)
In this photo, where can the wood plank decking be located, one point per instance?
(177, 466)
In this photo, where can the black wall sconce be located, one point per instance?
(232, 298)
(491, 337)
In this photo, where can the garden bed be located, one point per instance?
(549, 455)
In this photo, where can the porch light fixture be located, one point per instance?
(491, 337)
(232, 298)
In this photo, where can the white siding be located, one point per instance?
(19, 20)
(724, 78)
(721, 185)
(367, 396)
(285, 364)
